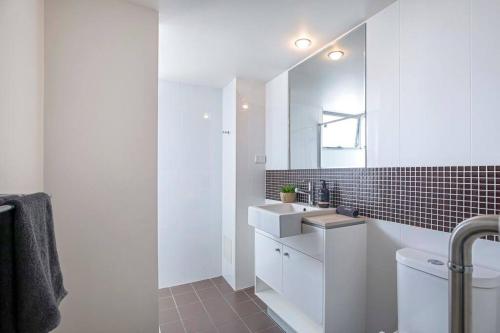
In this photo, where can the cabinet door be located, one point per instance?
(382, 88)
(485, 82)
(434, 82)
(268, 261)
(303, 282)
(277, 123)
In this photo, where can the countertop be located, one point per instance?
(334, 220)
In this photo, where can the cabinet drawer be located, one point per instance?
(268, 261)
(303, 282)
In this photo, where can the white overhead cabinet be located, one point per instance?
(434, 82)
(382, 88)
(485, 82)
(277, 123)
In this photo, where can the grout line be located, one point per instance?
(237, 314)
(178, 313)
(205, 308)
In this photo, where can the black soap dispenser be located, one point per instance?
(324, 196)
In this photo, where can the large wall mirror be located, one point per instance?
(327, 106)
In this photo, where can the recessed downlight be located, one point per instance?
(303, 43)
(335, 55)
(245, 106)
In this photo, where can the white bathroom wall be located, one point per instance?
(21, 96)
(189, 183)
(101, 105)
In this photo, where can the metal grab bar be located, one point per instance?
(6, 208)
(460, 269)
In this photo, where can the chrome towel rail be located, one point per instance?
(5, 208)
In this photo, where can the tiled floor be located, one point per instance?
(211, 306)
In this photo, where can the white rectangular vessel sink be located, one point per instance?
(282, 219)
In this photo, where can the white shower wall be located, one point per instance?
(189, 179)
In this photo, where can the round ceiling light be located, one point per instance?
(245, 106)
(303, 43)
(335, 55)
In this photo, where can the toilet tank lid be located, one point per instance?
(437, 265)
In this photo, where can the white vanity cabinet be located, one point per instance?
(303, 282)
(268, 261)
(311, 281)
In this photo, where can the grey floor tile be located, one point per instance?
(236, 326)
(225, 288)
(164, 292)
(173, 327)
(168, 315)
(218, 280)
(220, 311)
(274, 329)
(212, 306)
(246, 308)
(258, 322)
(198, 324)
(210, 292)
(250, 291)
(203, 284)
(166, 303)
(187, 298)
(181, 289)
(192, 310)
(260, 304)
(236, 297)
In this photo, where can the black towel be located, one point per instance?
(38, 282)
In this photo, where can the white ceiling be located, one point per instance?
(208, 42)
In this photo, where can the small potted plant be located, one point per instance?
(287, 193)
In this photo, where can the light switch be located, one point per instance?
(260, 159)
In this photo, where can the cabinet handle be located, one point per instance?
(277, 250)
(286, 254)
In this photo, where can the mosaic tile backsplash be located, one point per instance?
(436, 198)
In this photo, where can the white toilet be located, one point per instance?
(423, 294)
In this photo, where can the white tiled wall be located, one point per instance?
(189, 170)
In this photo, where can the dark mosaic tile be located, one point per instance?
(436, 198)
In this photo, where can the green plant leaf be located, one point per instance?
(288, 188)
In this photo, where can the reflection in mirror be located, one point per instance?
(327, 106)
